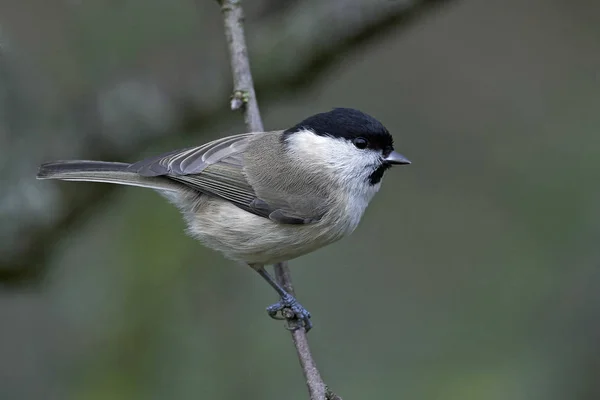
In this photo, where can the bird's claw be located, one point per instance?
(289, 309)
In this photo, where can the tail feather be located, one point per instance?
(58, 169)
(102, 171)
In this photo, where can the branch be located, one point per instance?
(316, 387)
(243, 93)
(245, 98)
(289, 56)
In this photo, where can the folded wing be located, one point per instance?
(217, 169)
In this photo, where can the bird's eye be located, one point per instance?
(360, 143)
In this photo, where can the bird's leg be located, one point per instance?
(288, 306)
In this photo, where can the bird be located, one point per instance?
(262, 198)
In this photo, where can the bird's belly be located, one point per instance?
(246, 237)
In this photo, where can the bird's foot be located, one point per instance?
(289, 309)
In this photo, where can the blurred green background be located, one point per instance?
(474, 274)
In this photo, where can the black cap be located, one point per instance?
(347, 123)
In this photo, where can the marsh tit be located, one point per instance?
(264, 197)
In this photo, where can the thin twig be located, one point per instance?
(245, 98)
(243, 88)
(316, 386)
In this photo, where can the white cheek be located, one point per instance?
(338, 157)
(345, 164)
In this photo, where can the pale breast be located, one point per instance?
(246, 237)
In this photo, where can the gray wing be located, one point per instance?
(217, 169)
(193, 160)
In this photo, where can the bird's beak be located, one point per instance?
(396, 159)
